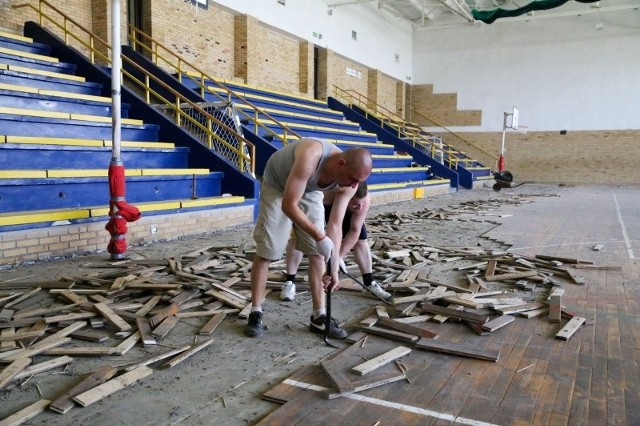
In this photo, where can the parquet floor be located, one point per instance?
(590, 379)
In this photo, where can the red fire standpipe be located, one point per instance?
(120, 212)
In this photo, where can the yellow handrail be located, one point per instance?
(158, 55)
(243, 159)
(458, 135)
(408, 132)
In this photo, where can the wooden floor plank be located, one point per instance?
(615, 398)
(631, 390)
(25, 414)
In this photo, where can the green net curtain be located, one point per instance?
(489, 16)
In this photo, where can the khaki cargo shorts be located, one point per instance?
(273, 227)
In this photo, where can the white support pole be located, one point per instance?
(504, 132)
(116, 66)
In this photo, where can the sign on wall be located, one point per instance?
(201, 3)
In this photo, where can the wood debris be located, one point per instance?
(120, 305)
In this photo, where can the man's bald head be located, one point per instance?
(358, 161)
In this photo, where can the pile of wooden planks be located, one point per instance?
(109, 311)
(118, 305)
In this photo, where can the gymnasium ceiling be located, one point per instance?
(434, 14)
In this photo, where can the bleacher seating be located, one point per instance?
(55, 148)
(312, 118)
(408, 136)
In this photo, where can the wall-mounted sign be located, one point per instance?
(201, 3)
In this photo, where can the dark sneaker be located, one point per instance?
(319, 325)
(254, 327)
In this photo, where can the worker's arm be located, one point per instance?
(350, 239)
(307, 157)
(334, 225)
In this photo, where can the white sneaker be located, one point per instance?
(377, 291)
(288, 292)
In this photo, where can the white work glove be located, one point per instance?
(343, 266)
(325, 247)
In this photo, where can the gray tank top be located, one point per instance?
(280, 163)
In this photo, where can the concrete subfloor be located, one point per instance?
(223, 383)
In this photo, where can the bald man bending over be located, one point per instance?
(291, 196)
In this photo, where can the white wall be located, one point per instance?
(561, 73)
(379, 35)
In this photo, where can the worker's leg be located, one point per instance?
(311, 204)
(362, 253)
(259, 271)
(293, 259)
(271, 235)
(316, 270)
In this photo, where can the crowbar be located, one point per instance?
(327, 325)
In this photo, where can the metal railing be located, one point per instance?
(458, 136)
(237, 149)
(166, 59)
(403, 129)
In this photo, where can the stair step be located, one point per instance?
(252, 96)
(83, 142)
(101, 212)
(274, 112)
(248, 88)
(16, 52)
(16, 37)
(66, 115)
(94, 173)
(35, 71)
(346, 127)
(58, 93)
(410, 184)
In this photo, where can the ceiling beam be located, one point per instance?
(458, 7)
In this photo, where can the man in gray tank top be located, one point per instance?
(291, 198)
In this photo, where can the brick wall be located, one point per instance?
(338, 70)
(45, 243)
(441, 107)
(203, 37)
(579, 157)
(306, 79)
(14, 19)
(266, 57)
(401, 98)
(381, 91)
(278, 61)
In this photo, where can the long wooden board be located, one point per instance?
(570, 328)
(212, 324)
(186, 354)
(96, 394)
(65, 403)
(470, 316)
(12, 370)
(380, 360)
(407, 328)
(455, 349)
(26, 413)
(43, 366)
(112, 317)
(497, 323)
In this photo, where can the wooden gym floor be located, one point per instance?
(590, 379)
